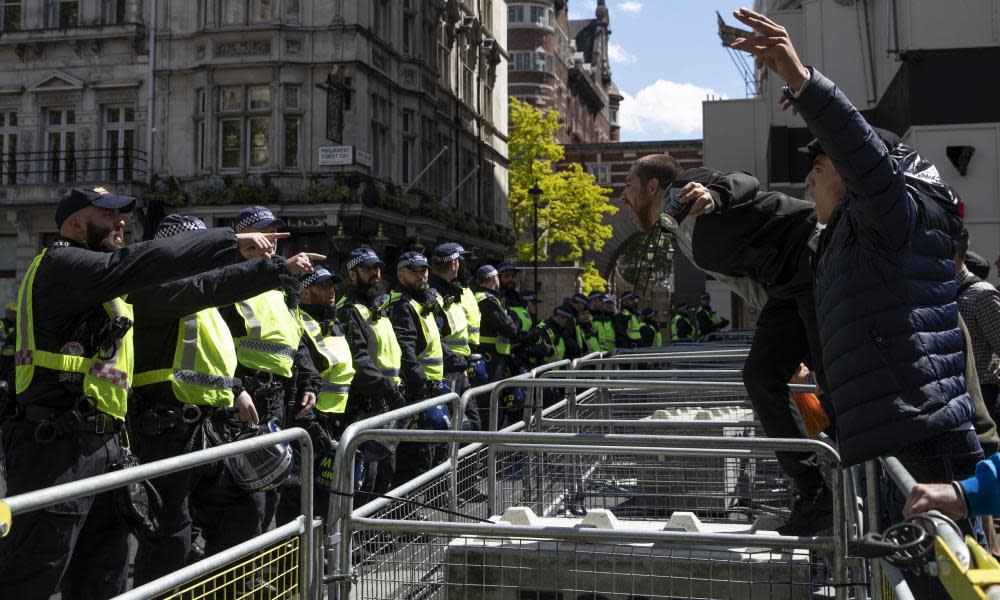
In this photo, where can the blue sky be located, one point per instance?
(666, 57)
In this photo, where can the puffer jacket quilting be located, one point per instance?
(885, 293)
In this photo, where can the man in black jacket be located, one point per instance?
(70, 302)
(627, 324)
(757, 243)
(165, 416)
(425, 359)
(498, 332)
(363, 313)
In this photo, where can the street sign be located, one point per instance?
(336, 155)
(364, 159)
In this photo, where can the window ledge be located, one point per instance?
(71, 34)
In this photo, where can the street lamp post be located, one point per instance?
(535, 192)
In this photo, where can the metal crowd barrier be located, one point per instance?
(282, 558)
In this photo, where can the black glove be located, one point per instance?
(137, 503)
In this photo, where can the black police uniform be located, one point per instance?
(416, 458)
(160, 428)
(274, 402)
(496, 323)
(372, 391)
(80, 546)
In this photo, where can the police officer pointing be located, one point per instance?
(73, 372)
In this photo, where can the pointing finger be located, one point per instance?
(278, 235)
(315, 257)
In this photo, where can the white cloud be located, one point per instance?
(619, 55)
(630, 6)
(582, 10)
(664, 110)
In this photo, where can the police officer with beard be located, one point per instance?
(363, 313)
(413, 312)
(178, 394)
(73, 374)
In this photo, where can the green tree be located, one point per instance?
(572, 206)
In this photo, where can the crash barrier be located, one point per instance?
(570, 503)
(276, 564)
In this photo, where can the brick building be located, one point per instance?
(562, 64)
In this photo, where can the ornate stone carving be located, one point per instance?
(293, 47)
(242, 48)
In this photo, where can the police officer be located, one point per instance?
(580, 304)
(590, 338)
(413, 312)
(602, 308)
(708, 321)
(331, 354)
(498, 332)
(628, 333)
(74, 369)
(651, 328)
(275, 364)
(377, 357)
(682, 328)
(446, 261)
(185, 362)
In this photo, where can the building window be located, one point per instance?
(531, 61)
(409, 29)
(293, 10)
(244, 127)
(8, 148)
(515, 14)
(292, 127)
(60, 145)
(200, 139)
(380, 108)
(119, 143)
(486, 10)
(531, 14)
(409, 144)
(444, 181)
(245, 12)
(427, 152)
(601, 173)
(380, 18)
(63, 13)
(10, 15)
(113, 12)
(613, 115)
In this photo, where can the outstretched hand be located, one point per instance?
(302, 263)
(252, 245)
(771, 48)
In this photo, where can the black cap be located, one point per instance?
(171, 225)
(505, 266)
(578, 297)
(629, 296)
(595, 295)
(815, 148)
(411, 260)
(706, 296)
(530, 296)
(256, 217)
(564, 310)
(80, 198)
(485, 273)
(363, 257)
(319, 275)
(449, 252)
(647, 312)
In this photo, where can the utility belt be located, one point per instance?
(267, 391)
(52, 423)
(165, 416)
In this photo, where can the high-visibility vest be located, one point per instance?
(555, 340)
(657, 336)
(605, 333)
(388, 354)
(204, 362)
(431, 358)
(273, 334)
(523, 318)
(634, 331)
(106, 379)
(591, 342)
(713, 318)
(501, 343)
(472, 315)
(336, 366)
(674, 325)
(7, 342)
(458, 325)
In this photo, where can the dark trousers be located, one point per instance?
(207, 495)
(79, 547)
(496, 368)
(779, 345)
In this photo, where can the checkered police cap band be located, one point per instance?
(175, 228)
(409, 261)
(357, 260)
(251, 219)
(311, 278)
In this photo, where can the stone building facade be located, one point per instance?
(563, 64)
(375, 121)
